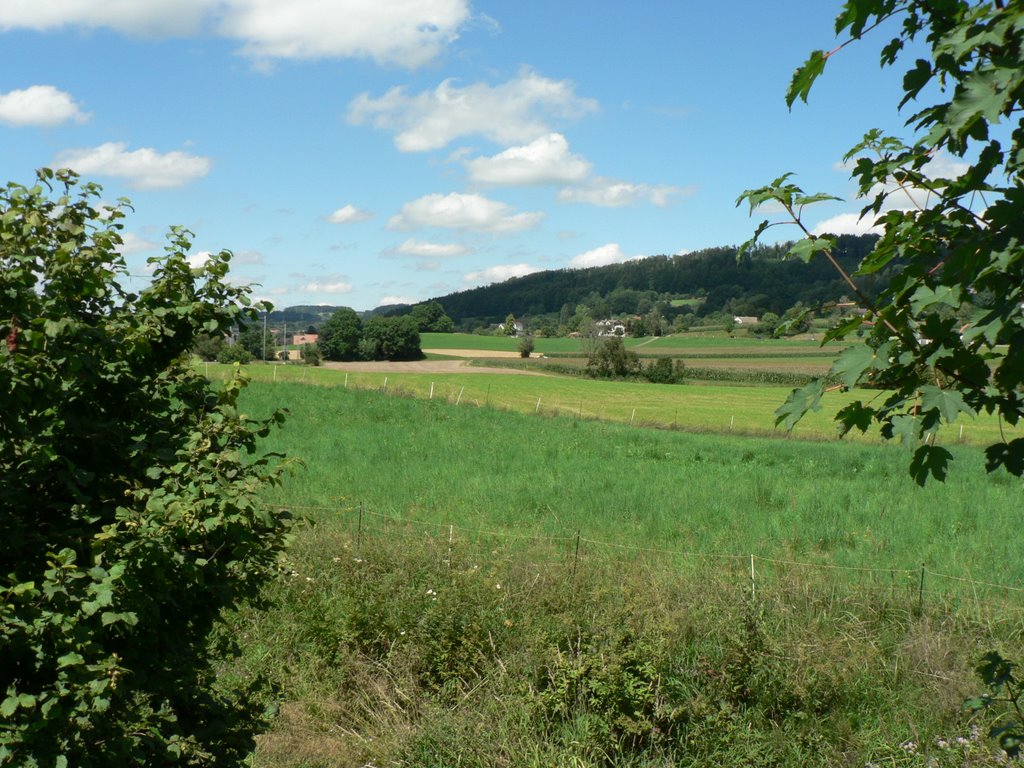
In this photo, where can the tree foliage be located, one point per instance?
(610, 358)
(955, 236)
(339, 336)
(431, 318)
(257, 340)
(129, 506)
(391, 338)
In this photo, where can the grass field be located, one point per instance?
(485, 588)
(836, 503)
(696, 407)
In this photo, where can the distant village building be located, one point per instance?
(745, 320)
(301, 339)
(851, 308)
(610, 327)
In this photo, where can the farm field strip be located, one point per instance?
(694, 407)
(676, 344)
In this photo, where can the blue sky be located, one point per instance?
(365, 152)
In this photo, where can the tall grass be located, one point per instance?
(486, 588)
(837, 503)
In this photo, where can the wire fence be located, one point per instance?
(919, 589)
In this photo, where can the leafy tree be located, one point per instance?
(510, 325)
(665, 370)
(311, 354)
(258, 342)
(208, 347)
(234, 353)
(391, 338)
(339, 336)
(950, 233)
(129, 508)
(431, 318)
(611, 358)
(768, 323)
(526, 346)
(796, 319)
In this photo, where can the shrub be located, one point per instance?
(129, 505)
(526, 346)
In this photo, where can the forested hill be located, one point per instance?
(762, 282)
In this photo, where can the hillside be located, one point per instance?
(763, 282)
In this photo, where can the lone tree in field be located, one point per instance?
(956, 241)
(129, 506)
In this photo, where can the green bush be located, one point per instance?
(129, 506)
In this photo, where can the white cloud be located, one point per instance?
(248, 257)
(152, 17)
(41, 105)
(387, 301)
(432, 250)
(133, 243)
(349, 214)
(601, 256)
(198, 260)
(847, 224)
(500, 273)
(339, 287)
(940, 166)
(546, 160)
(460, 211)
(516, 111)
(609, 193)
(404, 32)
(143, 168)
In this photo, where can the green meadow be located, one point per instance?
(475, 586)
(700, 407)
(833, 503)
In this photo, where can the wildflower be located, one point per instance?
(497, 586)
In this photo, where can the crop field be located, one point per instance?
(712, 343)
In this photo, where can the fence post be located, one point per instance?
(346, 379)
(459, 398)
(631, 417)
(385, 387)
(431, 391)
(576, 558)
(451, 534)
(753, 589)
(537, 409)
(920, 593)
